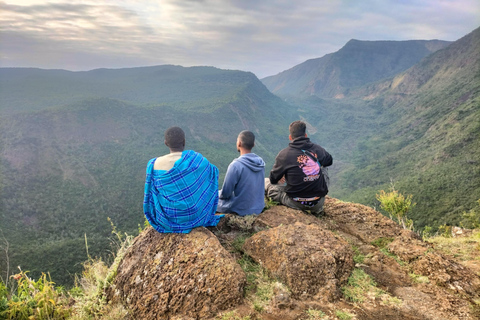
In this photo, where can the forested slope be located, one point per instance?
(67, 168)
(429, 143)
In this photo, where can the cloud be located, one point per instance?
(265, 37)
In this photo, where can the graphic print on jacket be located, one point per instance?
(309, 167)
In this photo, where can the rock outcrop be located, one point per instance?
(311, 261)
(175, 276)
(307, 261)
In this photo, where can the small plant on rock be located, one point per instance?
(269, 203)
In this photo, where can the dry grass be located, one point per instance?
(466, 250)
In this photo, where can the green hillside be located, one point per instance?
(419, 129)
(67, 168)
(357, 63)
(430, 145)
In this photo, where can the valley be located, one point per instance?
(74, 145)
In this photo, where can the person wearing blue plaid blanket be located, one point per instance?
(181, 188)
(299, 177)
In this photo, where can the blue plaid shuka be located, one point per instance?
(184, 197)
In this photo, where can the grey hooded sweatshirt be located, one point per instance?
(244, 186)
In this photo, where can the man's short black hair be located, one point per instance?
(247, 138)
(175, 138)
(297, 129)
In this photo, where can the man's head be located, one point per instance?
(175, 139)
(297, 129)
(245, 141)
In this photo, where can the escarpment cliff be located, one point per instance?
(285, 264)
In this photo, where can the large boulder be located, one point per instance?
(360, 221)
(312, 261)
(177, 276)
(281, 215)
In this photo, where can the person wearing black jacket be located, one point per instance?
(298, 178)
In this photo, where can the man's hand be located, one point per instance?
(282, 180)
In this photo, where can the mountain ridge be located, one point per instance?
(353, 65)
(35, 89)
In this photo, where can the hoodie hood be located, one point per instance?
(252, 161)
(301, 143)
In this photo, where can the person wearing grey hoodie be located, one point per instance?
(244, 185)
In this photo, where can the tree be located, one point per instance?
(397, 206)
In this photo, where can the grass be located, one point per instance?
(381, 242)
(260, 287)
(96, 278)
(358, 257)
(314, 314)
(361, 286)
(238, 242)
(269, 203)
(418, 278)
(465, 249)
(388, 300)
(386, 252)
(343, 315)
(34, 300)
(231, 315)
(40, 299)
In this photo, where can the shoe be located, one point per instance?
(319, 214)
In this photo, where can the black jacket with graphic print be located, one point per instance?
(303, 182)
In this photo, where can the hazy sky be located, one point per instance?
(265, 37)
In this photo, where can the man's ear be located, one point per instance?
(166, 143)
(290, 137)
(305, 135)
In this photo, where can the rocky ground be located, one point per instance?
(351, 263)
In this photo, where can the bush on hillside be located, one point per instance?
(34, 299)
(471, 219)
(397, 206)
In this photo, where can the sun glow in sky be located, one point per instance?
(265, 37)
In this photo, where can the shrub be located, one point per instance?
(427, 232)
(471, 219)
(34, 300)
(397, 206)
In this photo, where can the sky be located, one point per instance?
(264, 37)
